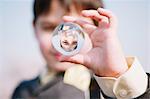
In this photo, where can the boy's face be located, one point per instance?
(68, 42)
(43, 28)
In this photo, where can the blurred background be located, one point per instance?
(21, 59)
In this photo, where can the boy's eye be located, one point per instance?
(74, 43)
(48, 28)
(65, 42)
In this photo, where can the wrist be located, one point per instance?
(113, 70)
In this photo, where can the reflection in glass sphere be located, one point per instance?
(68, 38)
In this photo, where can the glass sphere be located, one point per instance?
(68, 38)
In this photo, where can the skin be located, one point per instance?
(68, 42)
(106, 58)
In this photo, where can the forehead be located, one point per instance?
(56, 10)
(53, 15)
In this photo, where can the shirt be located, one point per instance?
(131, 84)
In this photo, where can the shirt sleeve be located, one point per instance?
(131, 84)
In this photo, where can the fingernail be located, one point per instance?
(100, 9)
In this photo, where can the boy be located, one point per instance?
(117, 77)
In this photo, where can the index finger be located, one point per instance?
(112, 18)
(89, 27)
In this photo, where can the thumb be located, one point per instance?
(82, 59)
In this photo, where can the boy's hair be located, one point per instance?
(43, 6)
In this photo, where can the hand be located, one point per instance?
(106, 58)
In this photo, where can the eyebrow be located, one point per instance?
(48, 23)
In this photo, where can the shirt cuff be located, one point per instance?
(131, 84)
